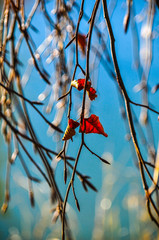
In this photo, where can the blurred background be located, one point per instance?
(118, 209)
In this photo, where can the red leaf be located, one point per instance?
(92, 93)
(73, 124)
(92, 125)
(82, 42)
(79, 84)
(88, 85)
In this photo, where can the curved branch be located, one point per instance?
(127, 104)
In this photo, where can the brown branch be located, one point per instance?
(27, 170)
(16, 131)
(127, 103)
(144, 106)
(67, 192)
(102, 159)
(83, 106)
(32, 160)
(83, 179)
(27, 24)
(68, 44)
(26, 36)
(32, 103)
(88, 54)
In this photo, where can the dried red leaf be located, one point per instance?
(92, 125)
(79, 84)
(70, 130)
(82, 42)
(88, 85)
(92, 93)
(73, 124)
(69, 133)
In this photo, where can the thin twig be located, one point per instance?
(102, 159)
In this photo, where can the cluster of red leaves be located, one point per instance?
(79, 85)
(89, 125)
(82, 42)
